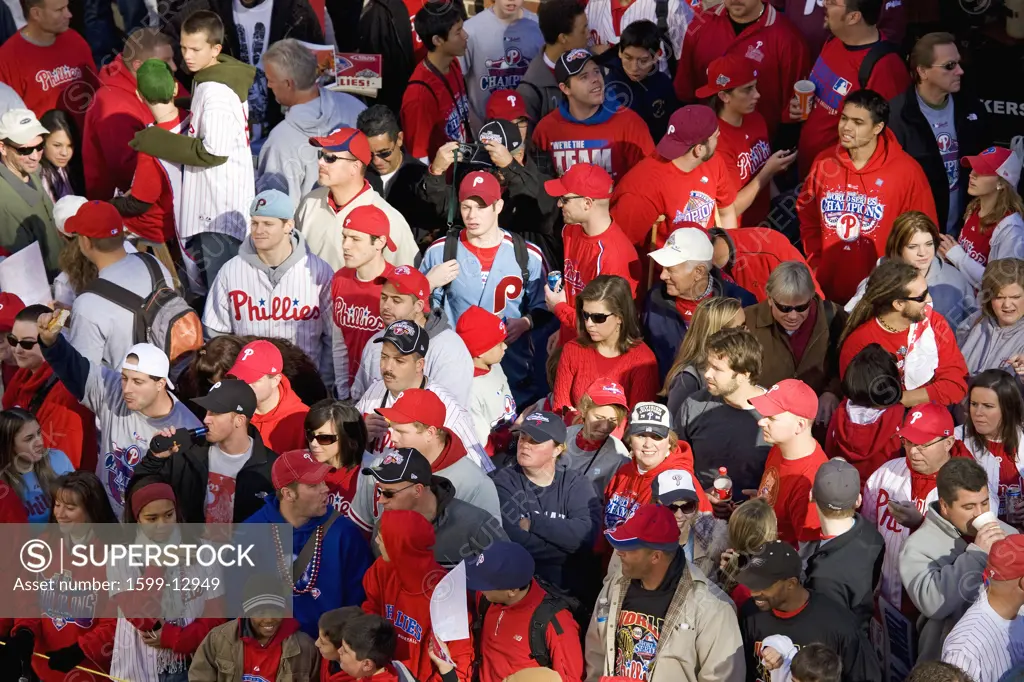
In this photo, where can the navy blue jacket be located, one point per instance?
(653, 98)
(664, 328)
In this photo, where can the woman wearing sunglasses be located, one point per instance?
(69, 427)
(799, 333)
(991, 337)
(337, 436)
(608, 344)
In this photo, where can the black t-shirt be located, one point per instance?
(740, 28)
(639, 627)
(821, 620)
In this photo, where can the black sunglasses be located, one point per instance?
(598, 318)
(321, 438)
(792, 308)
(331, 158)
(391, 493)
(687, 507)
(28, 151)
(918, 299)
(948, 66)
(384, 155)
(27, 344)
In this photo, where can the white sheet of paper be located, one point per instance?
(24, 275)
(449, 613)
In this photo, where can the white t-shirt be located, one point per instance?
(252, 24)
(220, 485)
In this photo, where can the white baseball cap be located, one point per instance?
(20, 126)
(66, 207)
(152, 361)
(685, 244)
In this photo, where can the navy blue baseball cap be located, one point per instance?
(542, 427)
(502, 566)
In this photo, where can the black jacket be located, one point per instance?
(653, 98)
(914, 134)
(402, 193)
(187, 471)
(384, 29)
(288, 19)
(846, 569)
(462, 529)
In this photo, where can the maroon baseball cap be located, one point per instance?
(256, 360)
(582, 179)
(507, 105)
(10, 306)
(687, 127)
(408, 280)
(650, 527)
(95, 220)
(924, 423)
(789, 395)
(482, 185)
(297, 466)
(416, 405)
(345, 140)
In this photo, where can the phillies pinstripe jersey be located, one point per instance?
(291, 301)
(604, 30)
(217, 199)
(985, 645)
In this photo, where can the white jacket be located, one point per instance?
(1007, 242)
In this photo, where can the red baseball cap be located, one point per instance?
(95, 220)
(583, 179)
(507, 105)
(370, 220)
(995, 161)
(1006, 559)
(482, 185)
(480, 330)
(408, 280)
(789, 395)
(925, 423)
(726, 73)
(604, 391)
(688, 126)
(10, 306)
(345, 140)
(650, 527)
(256, 360)
(416, 405)
(297, 466)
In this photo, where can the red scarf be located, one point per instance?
(799, 339)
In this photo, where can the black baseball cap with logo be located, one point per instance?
(773, 562)
(408, 337)
(405, 465)
(571, 63)
(229, 395)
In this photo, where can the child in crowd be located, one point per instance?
(27, 465)
(328, 641)
(491, 402)
(816, 663)
(863, 427)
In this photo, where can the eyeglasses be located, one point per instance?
(28, 151)
(948, 66)
(792, 308)
(597, 318)
(331, 158)
(687, 507)
(27, 344)
(923, 446)
(563, 200)
(321, 438)
(389, 494)
(917, 299)
(385, 154)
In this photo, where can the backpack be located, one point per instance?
(451, 249)
(661, 14)
(162, 318)
(555, 601)
(875, 54)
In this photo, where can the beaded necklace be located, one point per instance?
(310, 587)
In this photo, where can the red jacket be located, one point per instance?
(282, 429)
(778, 52)
(399, 588)
(865, 446)
(67, 425)
(846, 214)
(753, 254)
(505, 648)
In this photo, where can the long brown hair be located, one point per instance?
(999, 274)
(1007, 202)
(711, 315)
(887, 284)
(614, 292)
(11, 422)
(904, 228)
(80, 270)
(1011, 410)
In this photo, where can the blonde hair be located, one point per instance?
(586, 404)
(711, 315)
(752, 525)
(1007, 202)
(999, 274)
(904, 228)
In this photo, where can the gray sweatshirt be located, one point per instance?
(539, 90)
(986, 345)
(287, 161)
(941, 573)
(597, 466)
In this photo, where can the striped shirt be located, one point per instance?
(984, 644)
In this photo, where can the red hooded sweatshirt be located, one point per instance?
(865, 446)
(262, 661)
(628, 488)
(67, 425)
(846, 214)
(282, 429)
(399, 588)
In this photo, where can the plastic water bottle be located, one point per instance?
(603, 608)
(723, 485)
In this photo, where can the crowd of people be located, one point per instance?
(692, 330)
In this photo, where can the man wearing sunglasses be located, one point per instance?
(26, 212)
(899, 317)
(938, 125)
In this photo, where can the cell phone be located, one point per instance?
(468, 149)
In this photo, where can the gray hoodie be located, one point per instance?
(287, 161)
(448, 361)
(986, 345)
(539, 90)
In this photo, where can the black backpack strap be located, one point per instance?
(40, 396)
(426, 85)
(875, 54)
(156, 275)
(543, 616)
(120, 296)
(451, 250)
(661, 14)
(523, 260)
(477, 628)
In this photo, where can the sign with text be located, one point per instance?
(358, 73)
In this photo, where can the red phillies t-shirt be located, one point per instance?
(745, 150)
(616, 144)
(786, 486)
(484, 254)
(341, 486)
(976, 243)
(151, 185)
(259, 662)
(356, 312)
(658, 187)
(835, 76)
(59, 76)
(435, 112)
